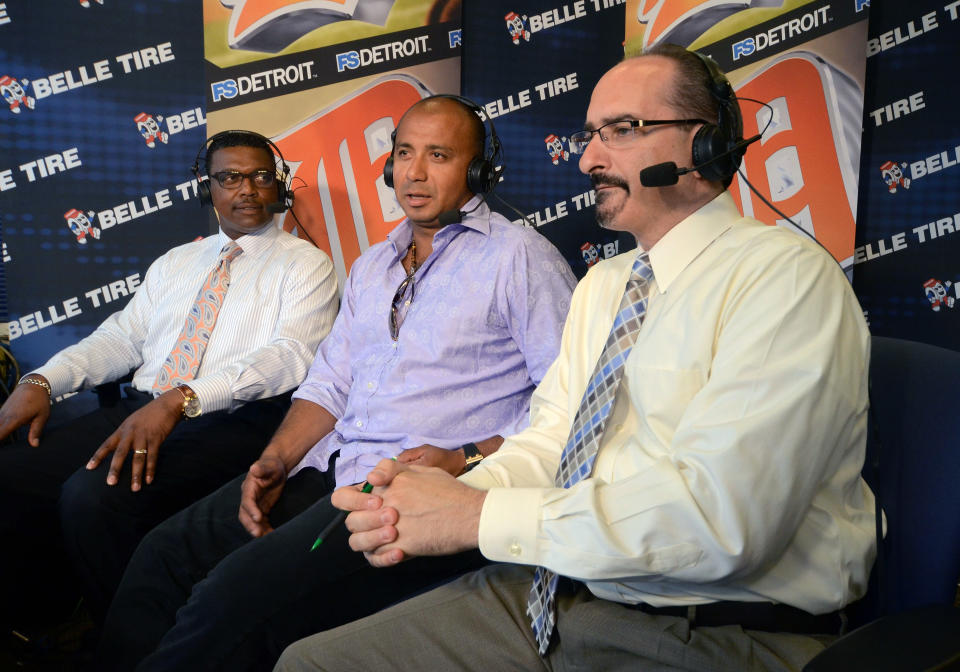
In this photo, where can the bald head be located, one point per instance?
(458, 111)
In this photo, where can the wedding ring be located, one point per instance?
(140, 451)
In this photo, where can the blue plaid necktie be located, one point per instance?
(579, 454)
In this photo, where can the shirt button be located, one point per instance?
(619, 427)
(515, 549)
(359, 423)
(407, 302)
(369, 386)
(394, 345)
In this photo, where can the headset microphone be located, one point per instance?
(456, 216)
(277, 207)
(450, 217)
(667, 174)
(661, 175)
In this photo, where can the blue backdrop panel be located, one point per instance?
(532, 65)
(101, 118)
(907, 262)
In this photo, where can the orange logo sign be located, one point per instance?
(808, 158)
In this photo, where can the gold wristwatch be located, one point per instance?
(191, 402)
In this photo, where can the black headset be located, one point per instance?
(715, 145)
(482, 173)
(284, 194)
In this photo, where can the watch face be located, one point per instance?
(191, 403)
(191, 407)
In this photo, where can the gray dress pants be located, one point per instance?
(478, 622)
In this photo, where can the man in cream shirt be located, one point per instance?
(720, 521)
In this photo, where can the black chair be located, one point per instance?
(913, 465)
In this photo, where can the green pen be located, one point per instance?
(337, 520)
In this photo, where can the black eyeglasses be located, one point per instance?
(620, 133)
(395, 305)
(231, 179)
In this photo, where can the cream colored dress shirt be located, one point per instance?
(730, 465)
(281, 302)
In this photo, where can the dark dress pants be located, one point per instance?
(200, 593)
(55, 507)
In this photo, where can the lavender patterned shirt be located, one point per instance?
(481, 331)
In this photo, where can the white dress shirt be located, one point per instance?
(281, 302)
(730, 465)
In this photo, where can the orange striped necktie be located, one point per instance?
(183, 362)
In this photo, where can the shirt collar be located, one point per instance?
(478, 220)
(254, 243)
(689, 237)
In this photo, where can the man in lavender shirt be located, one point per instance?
(443, 333)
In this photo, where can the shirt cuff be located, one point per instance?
(59, 377)
(479, 478)
(509, 524)
(213, 392)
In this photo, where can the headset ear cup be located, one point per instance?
(388, 172)
(203, 192)
(284, 195)
(711, 141)
(480, 176)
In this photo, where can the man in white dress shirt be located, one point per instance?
(204, 400)
(719, 521)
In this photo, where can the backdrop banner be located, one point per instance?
(531, 65)
(328, 83)
(802, 63)
(102, 115)
(907, 257)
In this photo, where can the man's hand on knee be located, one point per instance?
(29, 403)
(259, 492)
(141, 434)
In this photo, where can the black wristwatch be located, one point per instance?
(472, 456)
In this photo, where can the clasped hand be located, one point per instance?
(412, 511)
(451, 461)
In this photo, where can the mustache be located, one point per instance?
(597, 179)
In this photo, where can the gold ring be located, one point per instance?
(140, 451)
